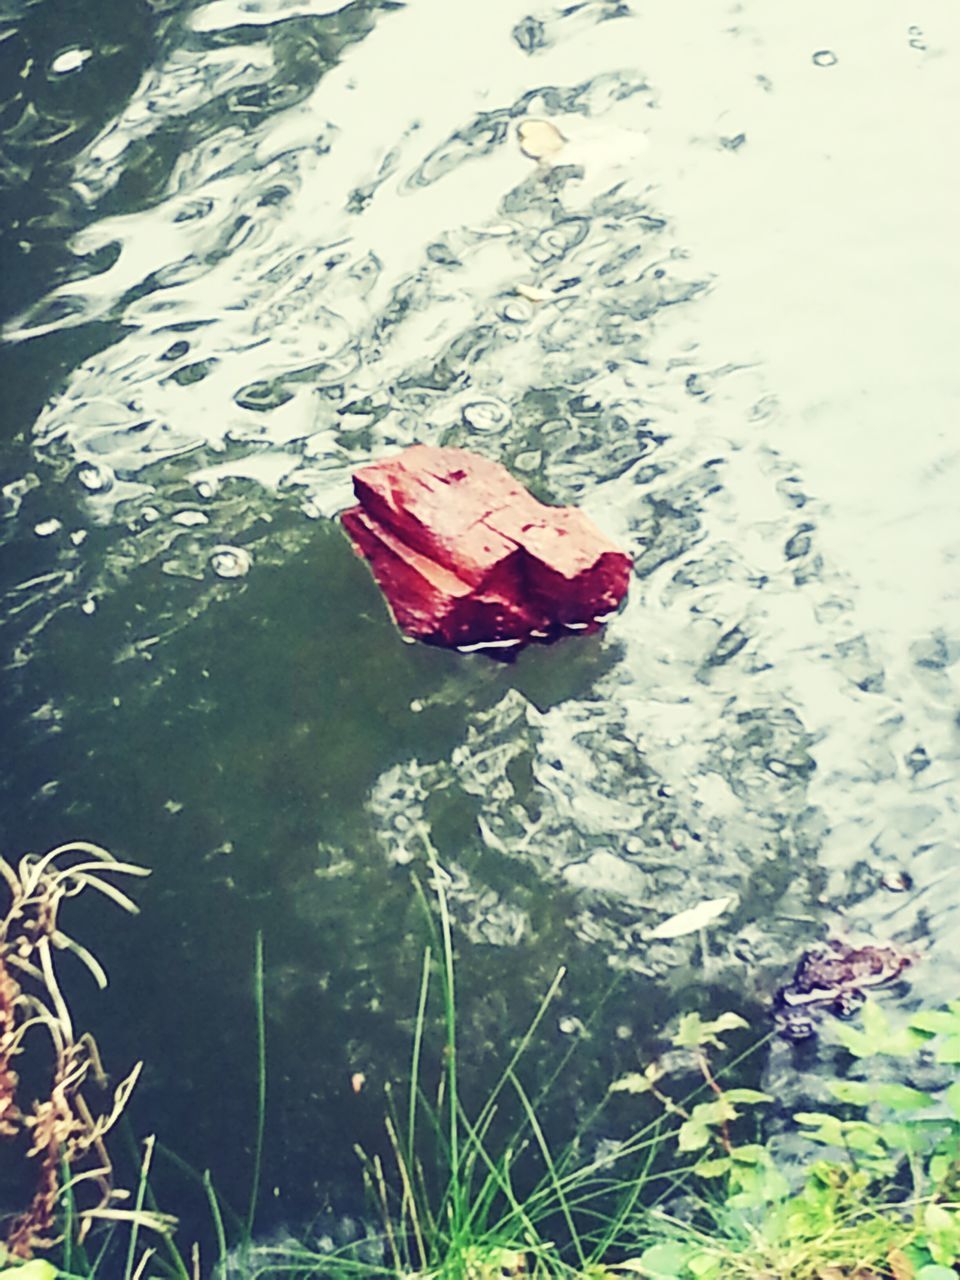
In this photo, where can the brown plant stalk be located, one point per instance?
(61, 1128)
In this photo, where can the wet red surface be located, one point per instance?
(466, 556)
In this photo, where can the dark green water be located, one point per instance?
(247, 247)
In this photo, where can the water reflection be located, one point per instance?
(294, 251)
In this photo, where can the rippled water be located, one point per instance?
(718, 317)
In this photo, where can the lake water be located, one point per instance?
(249, 245)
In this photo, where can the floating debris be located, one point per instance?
(692, 920)
(230, 562)
(485, 415)
(94, 477)
(69, 60)
(539, 139)
(825, 58)
(468, 558)
(532, 293)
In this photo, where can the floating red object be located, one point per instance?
(466, 557)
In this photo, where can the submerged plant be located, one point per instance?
(63, 1130)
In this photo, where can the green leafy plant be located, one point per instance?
(883, 1202)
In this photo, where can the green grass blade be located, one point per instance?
(551, 1170)
(415, 1056)
(450, 1013)
(138, 1204)
(261, 1083)
(68, 1215)
(216, 1215)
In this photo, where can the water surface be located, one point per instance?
(250, 245)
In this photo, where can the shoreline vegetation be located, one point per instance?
(694, 1192)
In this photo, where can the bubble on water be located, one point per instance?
(530, 460)
(230, 562)
(559, 239)
(69, 60)
(12, 494)
(89, 606)
(206, 488)
(150, 515)
(517, 312)
(571, 1026)
(189, 518)
(824, 58)
(485, 415)
(263, 396)
(95, 477)
(46, 527)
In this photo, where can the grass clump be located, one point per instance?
(693, 1192)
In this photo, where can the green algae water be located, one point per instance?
(248, 246)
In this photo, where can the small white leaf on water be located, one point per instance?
(70, 60)
(691, 920)
(532, 293)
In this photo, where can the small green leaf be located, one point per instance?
(692, 1136)
(756, 1184)
(860, 1093)
(689, 1033)
(949, 1050)
(749, 1153)
(692, 1032)
(746, 1095)
(952, 1098)
(38, 1269)
(633, 1082)
(703, 1265)
(829, 1129)
(940, 1166)
(877, 1038)
(860, 1136)
(937, 1022)
(712, 1168)
(713, 1112)
(942, 1233)
(900, 1097)
(937, 1218)
(665, 1261)
(932, 1271)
